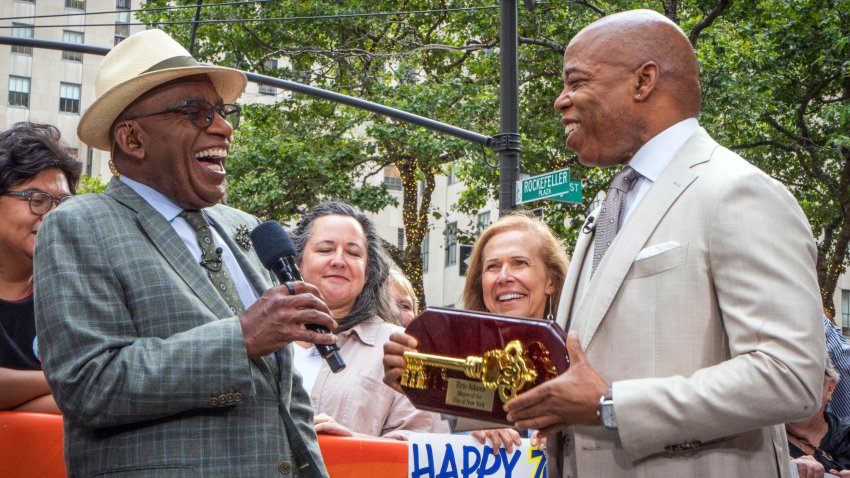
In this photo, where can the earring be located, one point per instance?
(549, 313)
(113, 169)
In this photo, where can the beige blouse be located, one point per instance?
(357, 398)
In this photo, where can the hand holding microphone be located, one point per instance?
(277, 253)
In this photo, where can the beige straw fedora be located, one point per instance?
(136, 65)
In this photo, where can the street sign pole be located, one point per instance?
(507, 142)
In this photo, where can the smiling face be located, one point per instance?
(405, 304)
(597, 102)
(17, 236)
(514, 279)
(334, 260)
(178, 159)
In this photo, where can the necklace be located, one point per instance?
(815, 450)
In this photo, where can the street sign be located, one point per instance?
(555, 186)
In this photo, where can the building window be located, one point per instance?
(393, 183)
(451, 244)
(26, 1)
(76, 4)
(19, 91)
(22, 30)
(392, 178)
(400, 238)
(267, 90)
(69, 98)
(482, 221)
(119, 39)
(845, 311)
(122, 25)
(425, 254)
(69, 36)
(463, 262)
(452, 176)
(122, 4)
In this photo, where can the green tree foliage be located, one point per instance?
(775, 75)
(91, 184)
(776, 81)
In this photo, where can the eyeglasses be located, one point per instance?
(202, 113)
(39, 201)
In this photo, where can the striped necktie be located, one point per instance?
(213, 262)
(612, 212)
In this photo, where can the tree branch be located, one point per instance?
(541, 42)
(706, 22)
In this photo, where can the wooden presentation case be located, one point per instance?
(458, 334)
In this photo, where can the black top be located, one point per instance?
(834, 450)
(17, 335)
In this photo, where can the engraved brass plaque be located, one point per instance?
(469, 394)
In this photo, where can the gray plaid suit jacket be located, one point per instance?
(144, 358)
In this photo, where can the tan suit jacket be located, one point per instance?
(712, 338)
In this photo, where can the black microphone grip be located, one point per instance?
(286, 271)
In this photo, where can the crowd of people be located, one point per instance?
(145, 317)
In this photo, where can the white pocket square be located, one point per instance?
(656, 249)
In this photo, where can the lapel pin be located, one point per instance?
(243, 237)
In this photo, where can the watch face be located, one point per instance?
(608, 418)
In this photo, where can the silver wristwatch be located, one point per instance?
(606, 412)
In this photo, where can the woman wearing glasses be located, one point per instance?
(36, 175)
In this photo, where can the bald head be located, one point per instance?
(627, 78)
(636, 37)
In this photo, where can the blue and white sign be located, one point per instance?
(432, 455)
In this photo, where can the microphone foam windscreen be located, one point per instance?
(271, 242)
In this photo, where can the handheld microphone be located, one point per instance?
(277, 254)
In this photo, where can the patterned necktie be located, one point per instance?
(213, 262)
(611, 214)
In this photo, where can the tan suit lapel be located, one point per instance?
(567, 301)
(633, 237)
(172, 248)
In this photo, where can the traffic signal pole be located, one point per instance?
(507, 142)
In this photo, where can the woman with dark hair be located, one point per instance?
(340, 252)
(36, 174)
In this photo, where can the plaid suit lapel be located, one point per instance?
(248, 262)
(172, 248)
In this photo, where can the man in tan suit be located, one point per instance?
(697, 333)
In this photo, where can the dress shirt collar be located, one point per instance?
(166, 207)
(656, 154)
(366, 331)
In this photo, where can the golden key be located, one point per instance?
(506, 370)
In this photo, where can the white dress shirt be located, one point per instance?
(651, 159)
(169, 210)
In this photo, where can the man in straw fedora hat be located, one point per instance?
(164, 353)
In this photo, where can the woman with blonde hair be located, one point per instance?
(516, 244)
(516, 268)
(403, 295)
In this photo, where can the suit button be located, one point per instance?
(222, 399)
(214, 401)
(237, 397)
(229, 398)
(284, 468)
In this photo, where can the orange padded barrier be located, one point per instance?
(31, 445)
(364, 458)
